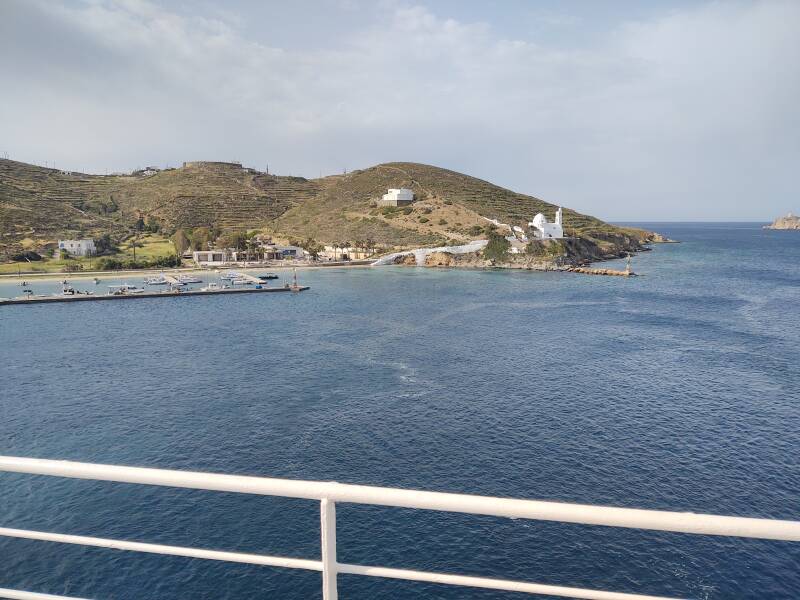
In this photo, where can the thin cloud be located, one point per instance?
(686, 115)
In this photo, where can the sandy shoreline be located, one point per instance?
(90, 275)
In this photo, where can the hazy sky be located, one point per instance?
(625, 110)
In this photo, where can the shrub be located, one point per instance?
(108, 264)
(442, 222)
(408, 210)
(548, 248)
(113, 264)
(424, 219)
(105, 245)
(475, 230)
(27, 255)
(497, 248)
(448, 202)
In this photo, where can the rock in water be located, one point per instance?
(790, 221)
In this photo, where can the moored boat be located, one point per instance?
(124, 289)
(188, 279)
(156, 280)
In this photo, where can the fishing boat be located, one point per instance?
(267, 276)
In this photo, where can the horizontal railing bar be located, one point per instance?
(491, 583)
(682, 522)
(313, 565)
(250, 559)
(20, 595)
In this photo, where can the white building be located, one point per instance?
(397, 197)
(210, 258)
(345, 253)
(77, 247)
(543, 229)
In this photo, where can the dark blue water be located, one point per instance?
(679, 390)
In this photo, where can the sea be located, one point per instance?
(675, 390)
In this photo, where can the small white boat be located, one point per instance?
(213, 287)
(156, 280)
(230, 275)
(184, 279)
(241, 281)
(124, 289)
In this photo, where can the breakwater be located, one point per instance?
(610, 272)
(132, 296)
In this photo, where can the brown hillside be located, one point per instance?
(44, 204)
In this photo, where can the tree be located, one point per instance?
(233, 239)
(139, 225)
(105, 245)
(497, 248)
(181, 242)
(200, 238)
(153, 225)
(313, 247)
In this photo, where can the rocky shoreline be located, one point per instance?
(540, 255)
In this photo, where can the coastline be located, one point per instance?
(82, 275)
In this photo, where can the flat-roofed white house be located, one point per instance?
(544, 230)
(210, 258)
(345, 253)
(397, 197)
(77, 247)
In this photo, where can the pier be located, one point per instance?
(165, 294)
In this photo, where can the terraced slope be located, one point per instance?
(38, 202)
(448, 206)
(45, 204)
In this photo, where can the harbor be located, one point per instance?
(160, 286)
(173, 293)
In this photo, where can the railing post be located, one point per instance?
(328, 544)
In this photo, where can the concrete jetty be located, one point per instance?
(165, 294)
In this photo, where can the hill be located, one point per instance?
(44, 204)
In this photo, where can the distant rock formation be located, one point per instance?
(790, 221)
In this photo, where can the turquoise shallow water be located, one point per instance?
(678, 390)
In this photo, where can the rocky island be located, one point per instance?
(790, 221)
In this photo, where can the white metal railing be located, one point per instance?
(329, 493)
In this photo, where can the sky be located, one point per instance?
(630, 111)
